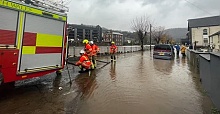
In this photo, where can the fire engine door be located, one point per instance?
(42, 43)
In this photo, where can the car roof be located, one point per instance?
(163, 46)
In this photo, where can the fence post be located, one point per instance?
(107, 50)
(74, 51)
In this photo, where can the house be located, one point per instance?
(110, 36)
(202, 31)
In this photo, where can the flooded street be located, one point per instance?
(134, 84)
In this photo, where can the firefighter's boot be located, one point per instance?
(94, 62)
(92, 66)
(81, 68)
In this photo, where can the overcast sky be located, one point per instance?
(118, 14)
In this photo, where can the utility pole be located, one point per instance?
(150, 37)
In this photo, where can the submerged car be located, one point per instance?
(163, 51)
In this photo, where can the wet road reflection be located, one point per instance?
(146, 85)
(134, 84)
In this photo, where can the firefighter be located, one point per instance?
(95, 49)
(84, 62)
(88, 50)
(113, 50)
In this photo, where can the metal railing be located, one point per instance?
(74, 51)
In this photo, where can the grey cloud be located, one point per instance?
(147, 2)
(118, 14)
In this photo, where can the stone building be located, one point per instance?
(203, 32)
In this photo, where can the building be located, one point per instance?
(80, 32)
(110, 36)
(203, 32)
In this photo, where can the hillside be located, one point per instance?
(177, 33)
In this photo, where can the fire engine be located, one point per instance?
(32, 39)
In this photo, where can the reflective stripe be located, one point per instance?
(29, 39)
(86, 58)
(48, 40)
(7, 37)
(21, 20)
(48, 50)
(24, 8)
(28, 49)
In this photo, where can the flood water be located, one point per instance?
(134, 84)
(139, 84)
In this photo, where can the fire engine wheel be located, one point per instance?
(59, 72)
(1, 78)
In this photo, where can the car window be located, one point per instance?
(162, 47)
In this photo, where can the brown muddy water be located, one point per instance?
(134, 84)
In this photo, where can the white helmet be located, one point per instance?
(91, 42)
(82, 51)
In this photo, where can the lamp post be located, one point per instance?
(150, 37)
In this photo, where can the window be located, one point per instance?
(162, 47)
(205, 32)
(205, 40)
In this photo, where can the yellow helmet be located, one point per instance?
(85, 41)
(113, 42)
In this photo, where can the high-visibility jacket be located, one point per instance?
(84, 61)
(95, 49)
(113, 48)
(88, 49)
(183, 49)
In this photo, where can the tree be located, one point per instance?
(141, 26)
(169, 39)
(158, 34)
(166, 39)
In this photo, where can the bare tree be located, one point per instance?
(169, 39)
(158, 34)
(141, 26)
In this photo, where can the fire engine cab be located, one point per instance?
(32, 39)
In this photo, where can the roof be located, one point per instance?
(217, 33)
(116, 33)
(204, 22)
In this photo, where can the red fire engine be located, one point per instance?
(32, 40)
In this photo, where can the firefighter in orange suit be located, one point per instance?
(95, 49)
(88, 50)
(84, 62)
(113, 50)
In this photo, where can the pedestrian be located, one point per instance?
(84, 62)
(113, 50)
(177, 49)
(95, 50)
(183, 50)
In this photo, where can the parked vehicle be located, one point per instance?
(163, 51)
(32, 41)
